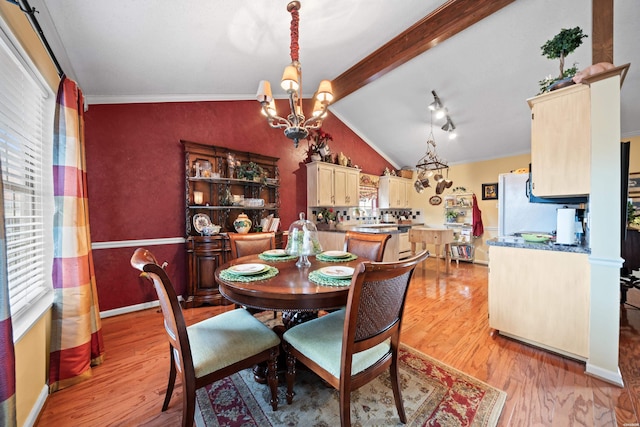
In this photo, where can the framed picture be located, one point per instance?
(490, 191)
(634, 184)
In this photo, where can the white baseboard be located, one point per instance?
(132, 308)
(614, 378)
(37, 407)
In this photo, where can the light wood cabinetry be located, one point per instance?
(394, 192)
(458, 212)
(561, 142)
(541, 297)
(332, 185)
(210, 174)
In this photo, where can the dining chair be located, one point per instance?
(209, 350)
(350, 347)
(366, 245)
(251, 243)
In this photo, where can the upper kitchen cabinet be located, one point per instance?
(561, 142)
(394, 192)
(332, 185)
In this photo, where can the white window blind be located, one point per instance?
(25, 152)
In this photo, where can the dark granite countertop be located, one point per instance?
(519, 242)
(376, 228)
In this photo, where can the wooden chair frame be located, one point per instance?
(367, 245)
(180, 346)
(251, 243)
(373, 315)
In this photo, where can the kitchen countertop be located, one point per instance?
(519, 242)
(376, 228)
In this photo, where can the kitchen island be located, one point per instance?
(398, 246)
(539, 293)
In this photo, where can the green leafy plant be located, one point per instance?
(451, 216)
(561, 45)
(249, 171)
(326, 215)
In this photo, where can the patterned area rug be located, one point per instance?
(434, 394)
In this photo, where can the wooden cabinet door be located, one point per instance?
(561, 142)
(353, 188)
(541, 297)
(204, 255)
(320, 184)
(340, 187)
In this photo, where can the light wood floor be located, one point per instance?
(446, 320)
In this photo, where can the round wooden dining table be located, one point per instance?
(289, 290)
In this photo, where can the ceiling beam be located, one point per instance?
(447, 20)
(602, 31)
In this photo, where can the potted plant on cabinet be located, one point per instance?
(318, 150)
(561, 45)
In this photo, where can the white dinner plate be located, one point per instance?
(337, 272)
(336, 254)
(275, 252)
(248, 269)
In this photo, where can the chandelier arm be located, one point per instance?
(274, 121)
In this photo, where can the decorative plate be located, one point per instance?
(275, 252)
(336, 272)
(200, 221)
(248, 269)
(435, 200)
(336, 254)
(536, 238)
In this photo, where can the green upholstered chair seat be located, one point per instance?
(321, 340)
(231, 336)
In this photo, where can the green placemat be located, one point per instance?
(271, 272)
(277, 258)
(319, 279)
(324, 258)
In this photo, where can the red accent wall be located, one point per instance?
(135, 176)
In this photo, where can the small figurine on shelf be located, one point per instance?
(231, 165)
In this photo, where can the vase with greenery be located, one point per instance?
(318, 146)
(250, 171)
(561, 45)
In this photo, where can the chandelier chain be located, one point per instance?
(294, 47)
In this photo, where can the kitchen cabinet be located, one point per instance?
(394, 192)
(211, 180)
(458, 212)
(332, 185)
(561, 142)
(541, 297)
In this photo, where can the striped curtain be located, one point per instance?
(7, 354)
(76, 335)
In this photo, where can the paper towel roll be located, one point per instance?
(565, 226)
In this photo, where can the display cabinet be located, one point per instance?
(220, 184)
(458, 212)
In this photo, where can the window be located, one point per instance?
(26, 141)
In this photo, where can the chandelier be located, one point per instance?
(296, 125)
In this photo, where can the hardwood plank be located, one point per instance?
(446, 319)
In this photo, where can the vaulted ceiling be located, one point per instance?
(135, 51)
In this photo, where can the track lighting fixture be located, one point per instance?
(450, 128)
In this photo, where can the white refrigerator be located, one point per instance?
(516, 214)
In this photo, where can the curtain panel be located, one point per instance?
(7, 352)
(76, 334)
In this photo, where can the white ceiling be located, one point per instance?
(123, 51)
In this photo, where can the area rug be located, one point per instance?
(434, 394)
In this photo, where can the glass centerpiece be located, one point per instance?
(303, 241)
